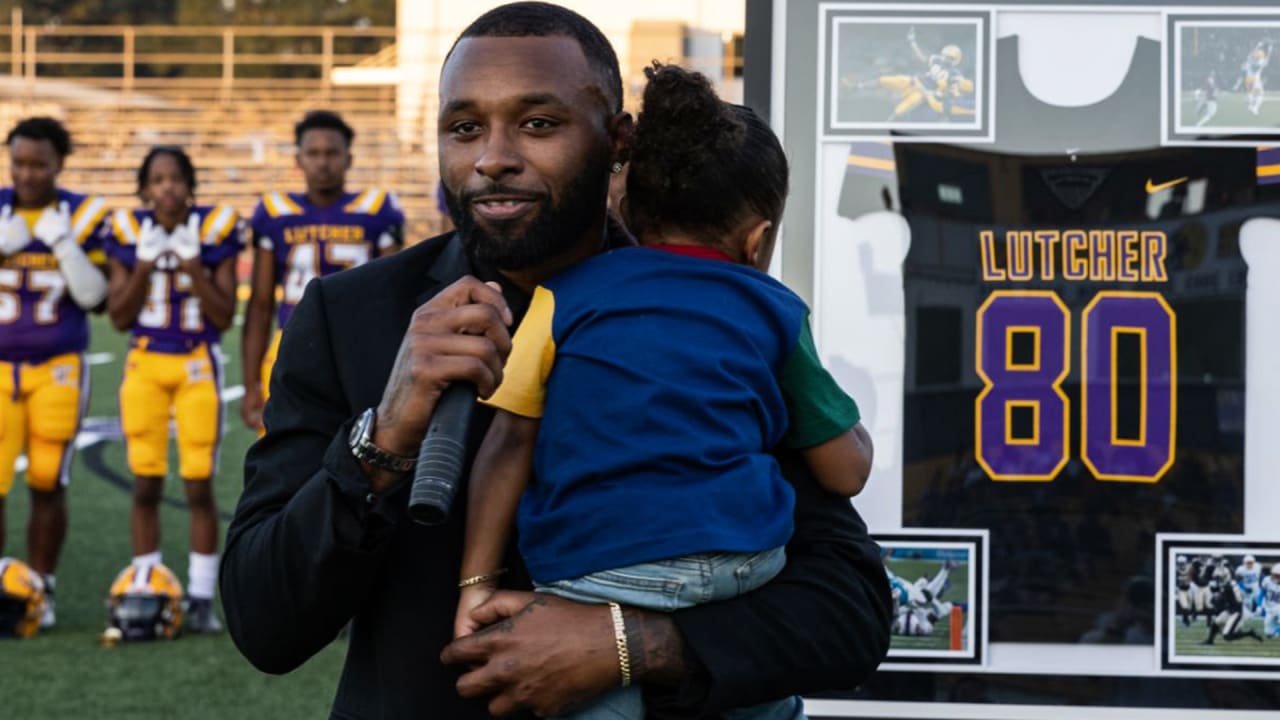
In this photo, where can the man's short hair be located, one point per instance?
(43, 128)
(539, 19)
(323, 120)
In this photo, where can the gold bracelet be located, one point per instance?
(476, 580)
(620, 638)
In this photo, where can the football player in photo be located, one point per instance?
(1271, 601)
(1249, 575)
(301, 236)
(173, 285)
(50, 279)
(1228, 609)
(1206, 99)
(1251, 75)
(939, 87)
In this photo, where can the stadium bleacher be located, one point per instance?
(239, 130)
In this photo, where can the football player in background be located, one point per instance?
(300, 236)
(50, 278)
(1206, 99)
(1249, 575)
(1271, 601)
(1182, 585)
(1251, 76)
(173, 284)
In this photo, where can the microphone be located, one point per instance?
(442, 455)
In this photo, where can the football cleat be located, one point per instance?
(49, 617)
(200, 616)
(22, 599)
(145, 603)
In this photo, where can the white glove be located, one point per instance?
(911, 34)
(14, 234)
(152, 242)
(184, 241)
(54, 225)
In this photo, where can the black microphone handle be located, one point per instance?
(442, 455)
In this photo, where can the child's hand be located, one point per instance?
(470, 598)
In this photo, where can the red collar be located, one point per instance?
(698, 251)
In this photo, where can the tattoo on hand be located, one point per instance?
(508, 625)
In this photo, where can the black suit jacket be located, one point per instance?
(310, 550)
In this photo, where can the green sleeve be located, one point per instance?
(819, 409)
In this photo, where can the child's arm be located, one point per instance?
(499, 476)
(824, 421)
(504, 464)
(843, 463)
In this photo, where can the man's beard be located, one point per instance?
(554, 230)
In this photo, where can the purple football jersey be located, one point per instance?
(38, 318)
(172, 313)
(310, 242)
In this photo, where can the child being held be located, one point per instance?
(647, 386)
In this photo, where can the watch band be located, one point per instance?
(362, 447)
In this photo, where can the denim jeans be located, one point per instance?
(668, 585)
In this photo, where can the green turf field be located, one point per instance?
(940, 639)
(64, 673)
(1233, 111)
(1187, 641)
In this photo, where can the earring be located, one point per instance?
(617, 168)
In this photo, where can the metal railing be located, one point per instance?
(129, 58)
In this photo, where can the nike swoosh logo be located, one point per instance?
(1152, 188)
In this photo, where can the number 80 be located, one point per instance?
(1037, 386)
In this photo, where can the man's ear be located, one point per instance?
(622, 209)
(758, 247)
(621, 126)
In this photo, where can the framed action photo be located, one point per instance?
(938, 580)
(1218, 601)
(1222, 74)
(916, 75)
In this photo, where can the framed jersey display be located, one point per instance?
(1057, 316)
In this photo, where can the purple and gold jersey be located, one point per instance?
(310, 242)
(172, 313)
(38, 318)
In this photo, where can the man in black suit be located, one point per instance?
(530, 127)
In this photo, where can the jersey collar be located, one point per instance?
(697, 251)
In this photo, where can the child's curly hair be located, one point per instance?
(699, 164)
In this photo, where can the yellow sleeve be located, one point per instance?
(533, 352)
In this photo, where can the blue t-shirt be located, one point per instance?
(657, 385)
